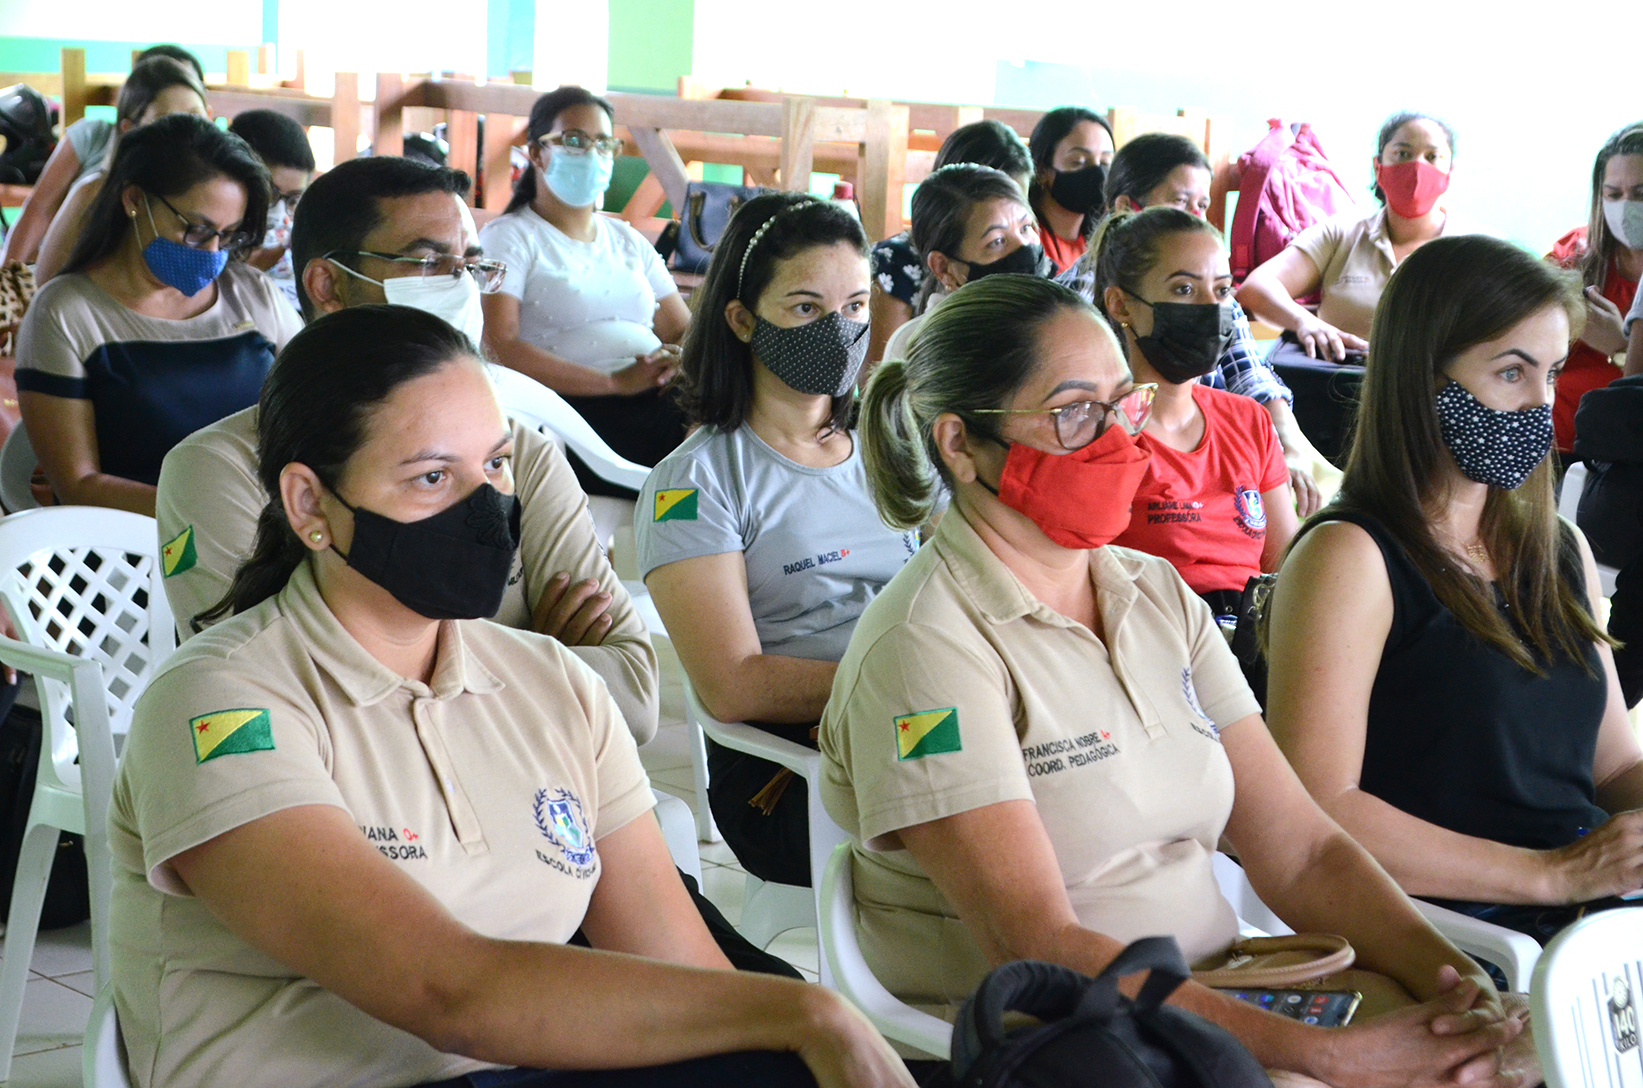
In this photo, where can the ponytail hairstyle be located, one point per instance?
(544, 113)
(1051, 129)
(1389, 129)
(1600, 240)
(971, 355)
(316, 409)
(715, 378)
(1128, 245)
(167, 158)
(1141, 165)
(941, 212)
(1450, 295)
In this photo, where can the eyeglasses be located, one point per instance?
(578, 142)
(488, 274)
(290, 198)
(199, 235)
(1082, 422)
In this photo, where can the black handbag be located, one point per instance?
(707, 211)
(1089, 1034)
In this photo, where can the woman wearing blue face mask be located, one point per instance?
(588, 308)
(756, 536)
(1436, 675)
(152, 330)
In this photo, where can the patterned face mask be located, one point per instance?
(1490, 446)
(822, 358)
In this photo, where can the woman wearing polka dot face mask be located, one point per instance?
(1436, 676)
(757, 537)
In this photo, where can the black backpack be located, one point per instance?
(1091, 1035)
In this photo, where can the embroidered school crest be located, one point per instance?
(1250, 510)
(177, 554)
(675, 504)
(927, 733)
(560, 819)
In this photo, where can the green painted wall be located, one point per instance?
(46, 54)
(651, 43)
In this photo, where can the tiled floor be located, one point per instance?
(58, 998)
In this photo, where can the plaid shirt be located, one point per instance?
(1242, 369)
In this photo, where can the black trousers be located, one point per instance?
(644, 428)
(774, 847)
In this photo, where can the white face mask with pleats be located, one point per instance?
(455, 299)
(1625, 219)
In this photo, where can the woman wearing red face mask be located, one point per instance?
(1036, 741)
(1347, 260)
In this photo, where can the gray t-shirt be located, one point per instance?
(89, 137)
(815, 547)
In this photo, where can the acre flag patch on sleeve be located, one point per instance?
(178, 554)
(927, 733)
(231, 732)
(676, 504)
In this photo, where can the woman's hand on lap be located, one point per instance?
(647, 372)
(1324, 341)
(1406, 1048)
(843, 1050)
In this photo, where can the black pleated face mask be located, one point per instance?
(453, 565)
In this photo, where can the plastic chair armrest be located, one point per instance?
(1513, 952)
(802, 761)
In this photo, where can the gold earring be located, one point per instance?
(316, 536)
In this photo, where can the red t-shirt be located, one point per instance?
(1063, 252)
(1587, 368)
(1203, 510)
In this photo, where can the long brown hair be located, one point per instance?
(1449, 295)
(1600, 240)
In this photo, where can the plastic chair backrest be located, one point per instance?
(103, 1055)
(17, 463)
(855, 980)
(84, 580)
(1585, 1000)
(525, 399)
(1568, 500)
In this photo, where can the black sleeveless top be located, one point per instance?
(1463, 737)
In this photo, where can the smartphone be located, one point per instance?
(1325, 1008)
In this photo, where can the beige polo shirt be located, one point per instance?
(961, 690)
(1354, 257)
(209, 501)
(489, 786)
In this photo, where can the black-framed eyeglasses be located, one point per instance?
(199, 235)
(580, 143)
(1083, 421)
(487, 273)
(290, 198)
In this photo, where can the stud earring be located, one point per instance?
(316, 536)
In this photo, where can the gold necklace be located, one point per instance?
(1477, 552)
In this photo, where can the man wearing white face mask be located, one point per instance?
(283, 147)
(385, 229)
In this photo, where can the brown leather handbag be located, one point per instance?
(1278, 963)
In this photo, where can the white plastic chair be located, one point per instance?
(1568, 505)
(769, 909)
(1513, 952)
(81, 585)
(103, 1054)
(679, 830)
(1585, 1001)
(17, 464)
(529, 401)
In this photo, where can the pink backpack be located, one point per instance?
(1285, 184)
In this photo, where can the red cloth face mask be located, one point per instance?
(1412, 188)
(1079, 499)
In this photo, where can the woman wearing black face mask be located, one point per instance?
(352, 767)
(1071, 148)
(756, 536)
(1216, 500)
(969, 222)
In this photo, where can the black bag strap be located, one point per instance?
(1159, 955)
(1045, 990)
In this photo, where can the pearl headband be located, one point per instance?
(758, 236)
